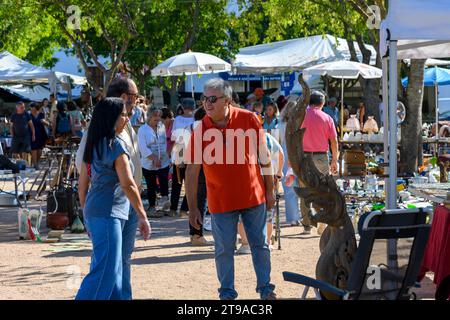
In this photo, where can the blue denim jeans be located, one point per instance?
(104, 280)
(128, 238)
(224, 230)
(290, 197)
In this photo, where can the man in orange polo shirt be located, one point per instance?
(231, 145)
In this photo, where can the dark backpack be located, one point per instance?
(6, 164)
(63, 123)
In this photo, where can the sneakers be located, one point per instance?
(164, 202)
(271, 296)
(172, 213)
(207, 223)
(153, 213)
(244, 249)
(184, 214)
(199, 241)
(306, 230)
(295, 223)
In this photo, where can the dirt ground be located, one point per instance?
(165, 267)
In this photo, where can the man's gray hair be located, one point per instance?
(317, 98)
(219, 85)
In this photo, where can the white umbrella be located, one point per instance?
(344, 70)
(191, 63)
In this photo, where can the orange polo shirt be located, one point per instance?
(230, 161)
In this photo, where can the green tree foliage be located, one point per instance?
(94, 27)
(170, 27)
(28, 34)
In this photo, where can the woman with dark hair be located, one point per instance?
(281, 102)
(270, 123)
(62, 125)
(44, 108)
(39, 123)
(106, 205)
(180, 110)
(167, 119)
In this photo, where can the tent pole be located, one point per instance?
(192, 86)
(385, 96)
(436, 98)
(342, 108)
(392, 185)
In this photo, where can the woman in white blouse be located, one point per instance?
(154, 159)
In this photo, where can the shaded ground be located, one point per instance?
(165, 267)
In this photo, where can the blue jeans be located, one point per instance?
(104, 280)
(290, 197)
(224, 230)
(128, 238)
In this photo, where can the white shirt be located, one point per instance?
(179, 124)
(153, 142)
(181, 130)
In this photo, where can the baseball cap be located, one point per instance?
(259, 92)
(188, 103)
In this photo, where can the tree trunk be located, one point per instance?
(371, 91)
(107, 78)
(411, 145)
(141, 83)
(173, 92)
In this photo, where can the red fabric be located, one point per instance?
(437, 252)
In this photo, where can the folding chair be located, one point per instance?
(370, 277)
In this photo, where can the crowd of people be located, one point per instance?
(126, 143)
(31, 129)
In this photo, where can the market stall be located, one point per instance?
(403, 36)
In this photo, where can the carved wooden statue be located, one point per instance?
(337, 243)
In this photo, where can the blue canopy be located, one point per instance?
(433, 76)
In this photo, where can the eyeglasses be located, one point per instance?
(132, 94)
(211, 99)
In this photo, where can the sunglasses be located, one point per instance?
(211, 99)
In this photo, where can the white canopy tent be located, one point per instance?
(294, 54)
(38, 92)
(14, 70)
(414, 29)
(432, 62)
(74, 79)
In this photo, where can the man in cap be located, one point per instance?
(261, 97)
(332, 110)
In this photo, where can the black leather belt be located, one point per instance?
(318, 152)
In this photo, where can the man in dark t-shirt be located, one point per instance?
(20, 131)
